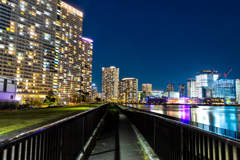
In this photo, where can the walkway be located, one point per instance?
(118, 142)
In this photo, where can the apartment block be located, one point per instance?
(110, 78)
(128, 89)
(29, 33)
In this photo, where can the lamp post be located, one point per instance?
(91, 93)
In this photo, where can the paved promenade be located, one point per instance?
(118, 142)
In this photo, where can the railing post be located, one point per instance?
(181, 139)
(154, 134)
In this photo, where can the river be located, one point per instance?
(227, 117)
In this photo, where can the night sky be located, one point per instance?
(162, 41)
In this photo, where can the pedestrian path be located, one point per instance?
(118, 142)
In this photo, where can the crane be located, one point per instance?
(225, 75)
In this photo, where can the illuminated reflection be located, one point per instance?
(227, 117)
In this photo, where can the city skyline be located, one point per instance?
(201, 37)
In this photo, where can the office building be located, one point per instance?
(156, 94)
(224, 88)
(110, 78)
(170, 87)
(182, 90)
(128, 89)
(29, 34)
(237, 84)
(204, 81)
(191, 88)
(147, 88)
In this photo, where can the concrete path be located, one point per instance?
(118, 142)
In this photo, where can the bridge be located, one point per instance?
(166, 139)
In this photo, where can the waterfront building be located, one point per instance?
(72, 57)
(147, 88)
(110, 80)
(170, 87)
(204, 81)
(8, 88)
(156, 94)
(237, 83)
(99, 95)
(191, 88)
(29, 34)
(128, 89)
(224, 88)
(182, 90)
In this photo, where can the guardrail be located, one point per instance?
(173, 140)
(62, 140)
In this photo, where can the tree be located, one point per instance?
(50, 98)
(82, 96)
(98, 99)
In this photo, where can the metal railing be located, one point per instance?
(62, 140)
(173, 140)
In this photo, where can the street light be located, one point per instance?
(91, 93)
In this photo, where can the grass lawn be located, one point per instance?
(10, 121)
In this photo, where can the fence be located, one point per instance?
(63, 140)
(173, 140)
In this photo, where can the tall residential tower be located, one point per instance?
(110, 78)
(128, 89)
(191, 88)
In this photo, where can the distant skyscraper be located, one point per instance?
(170, 87)
(110, 78)
(147, 88)
(204, 81)
(182, 90)
(224, 88)
(238, 91)
(191, 88)
(128, 89)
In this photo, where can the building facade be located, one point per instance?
(147, 88)
(29, 33)
(182, 90)
(8, 88)
(110, 79)
(128, 89)
(224, 88)
(191, 88)
(94, 93)
(70, 58)
(204, 81)
(237, 83)
(170, 87)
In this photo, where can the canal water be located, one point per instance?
(227, 117)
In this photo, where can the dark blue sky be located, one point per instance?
(162, 41)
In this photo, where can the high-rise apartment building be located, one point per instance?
(86, 65)
(128, 89)
(70, 57)
(110, 78)
(147, 88)
(182, 90)
(170, 87)
(29, 34)
(191, 88)
(204, 81)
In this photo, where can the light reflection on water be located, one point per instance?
(227, 117)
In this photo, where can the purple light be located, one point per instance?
(87, 39)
